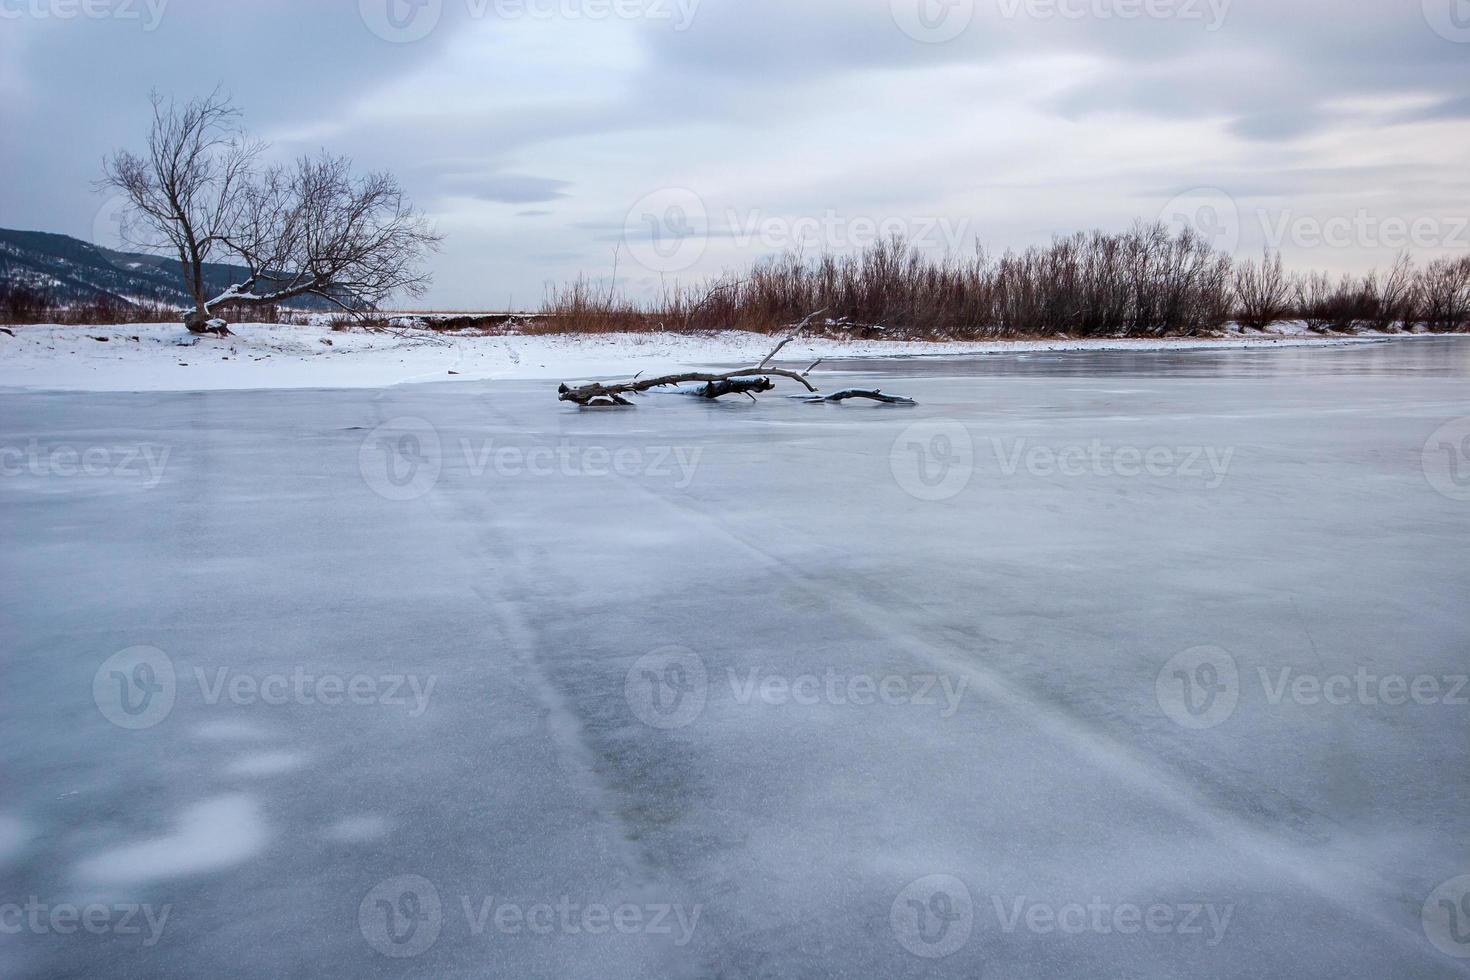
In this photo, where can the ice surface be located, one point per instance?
(268, 763)
(647, 674)
(359, 829)
(13, 837)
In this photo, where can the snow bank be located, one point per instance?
(164, 357)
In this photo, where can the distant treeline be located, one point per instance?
(1146, 282)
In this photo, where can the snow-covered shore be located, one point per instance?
(163, 357)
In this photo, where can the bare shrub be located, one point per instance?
(1146, 282)
(1262, 291)
(1328, 305)
(1394, 296)
(1444, 294)
(585, 307)
(21, 303)
(1384, 301)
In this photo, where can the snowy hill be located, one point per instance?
(71, 270)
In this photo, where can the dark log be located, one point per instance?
(593, 396)
(871, 394)
(743, 381)
(734, 386)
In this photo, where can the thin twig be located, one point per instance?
(794, 334)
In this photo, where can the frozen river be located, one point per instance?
(1146, 665)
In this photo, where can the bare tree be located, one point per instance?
(1395, 296)
(316, 230)
(1328, 304)
(188, 191)
(1444, 289)
(312, 229)
(1261, 292)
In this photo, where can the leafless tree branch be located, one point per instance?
(745, 381)
(309, 229)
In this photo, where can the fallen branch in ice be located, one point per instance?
(841, 396)
(746, 381)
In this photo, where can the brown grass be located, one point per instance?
(1145, 282)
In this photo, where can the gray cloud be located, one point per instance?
(1453, 108)
(508, 188)
(1024, 122)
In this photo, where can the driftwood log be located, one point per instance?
(745, 381)
(735, 386)
(873, 394)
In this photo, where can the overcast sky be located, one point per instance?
(545, 137)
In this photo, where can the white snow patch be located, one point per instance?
(215, 834)
(165, 357)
